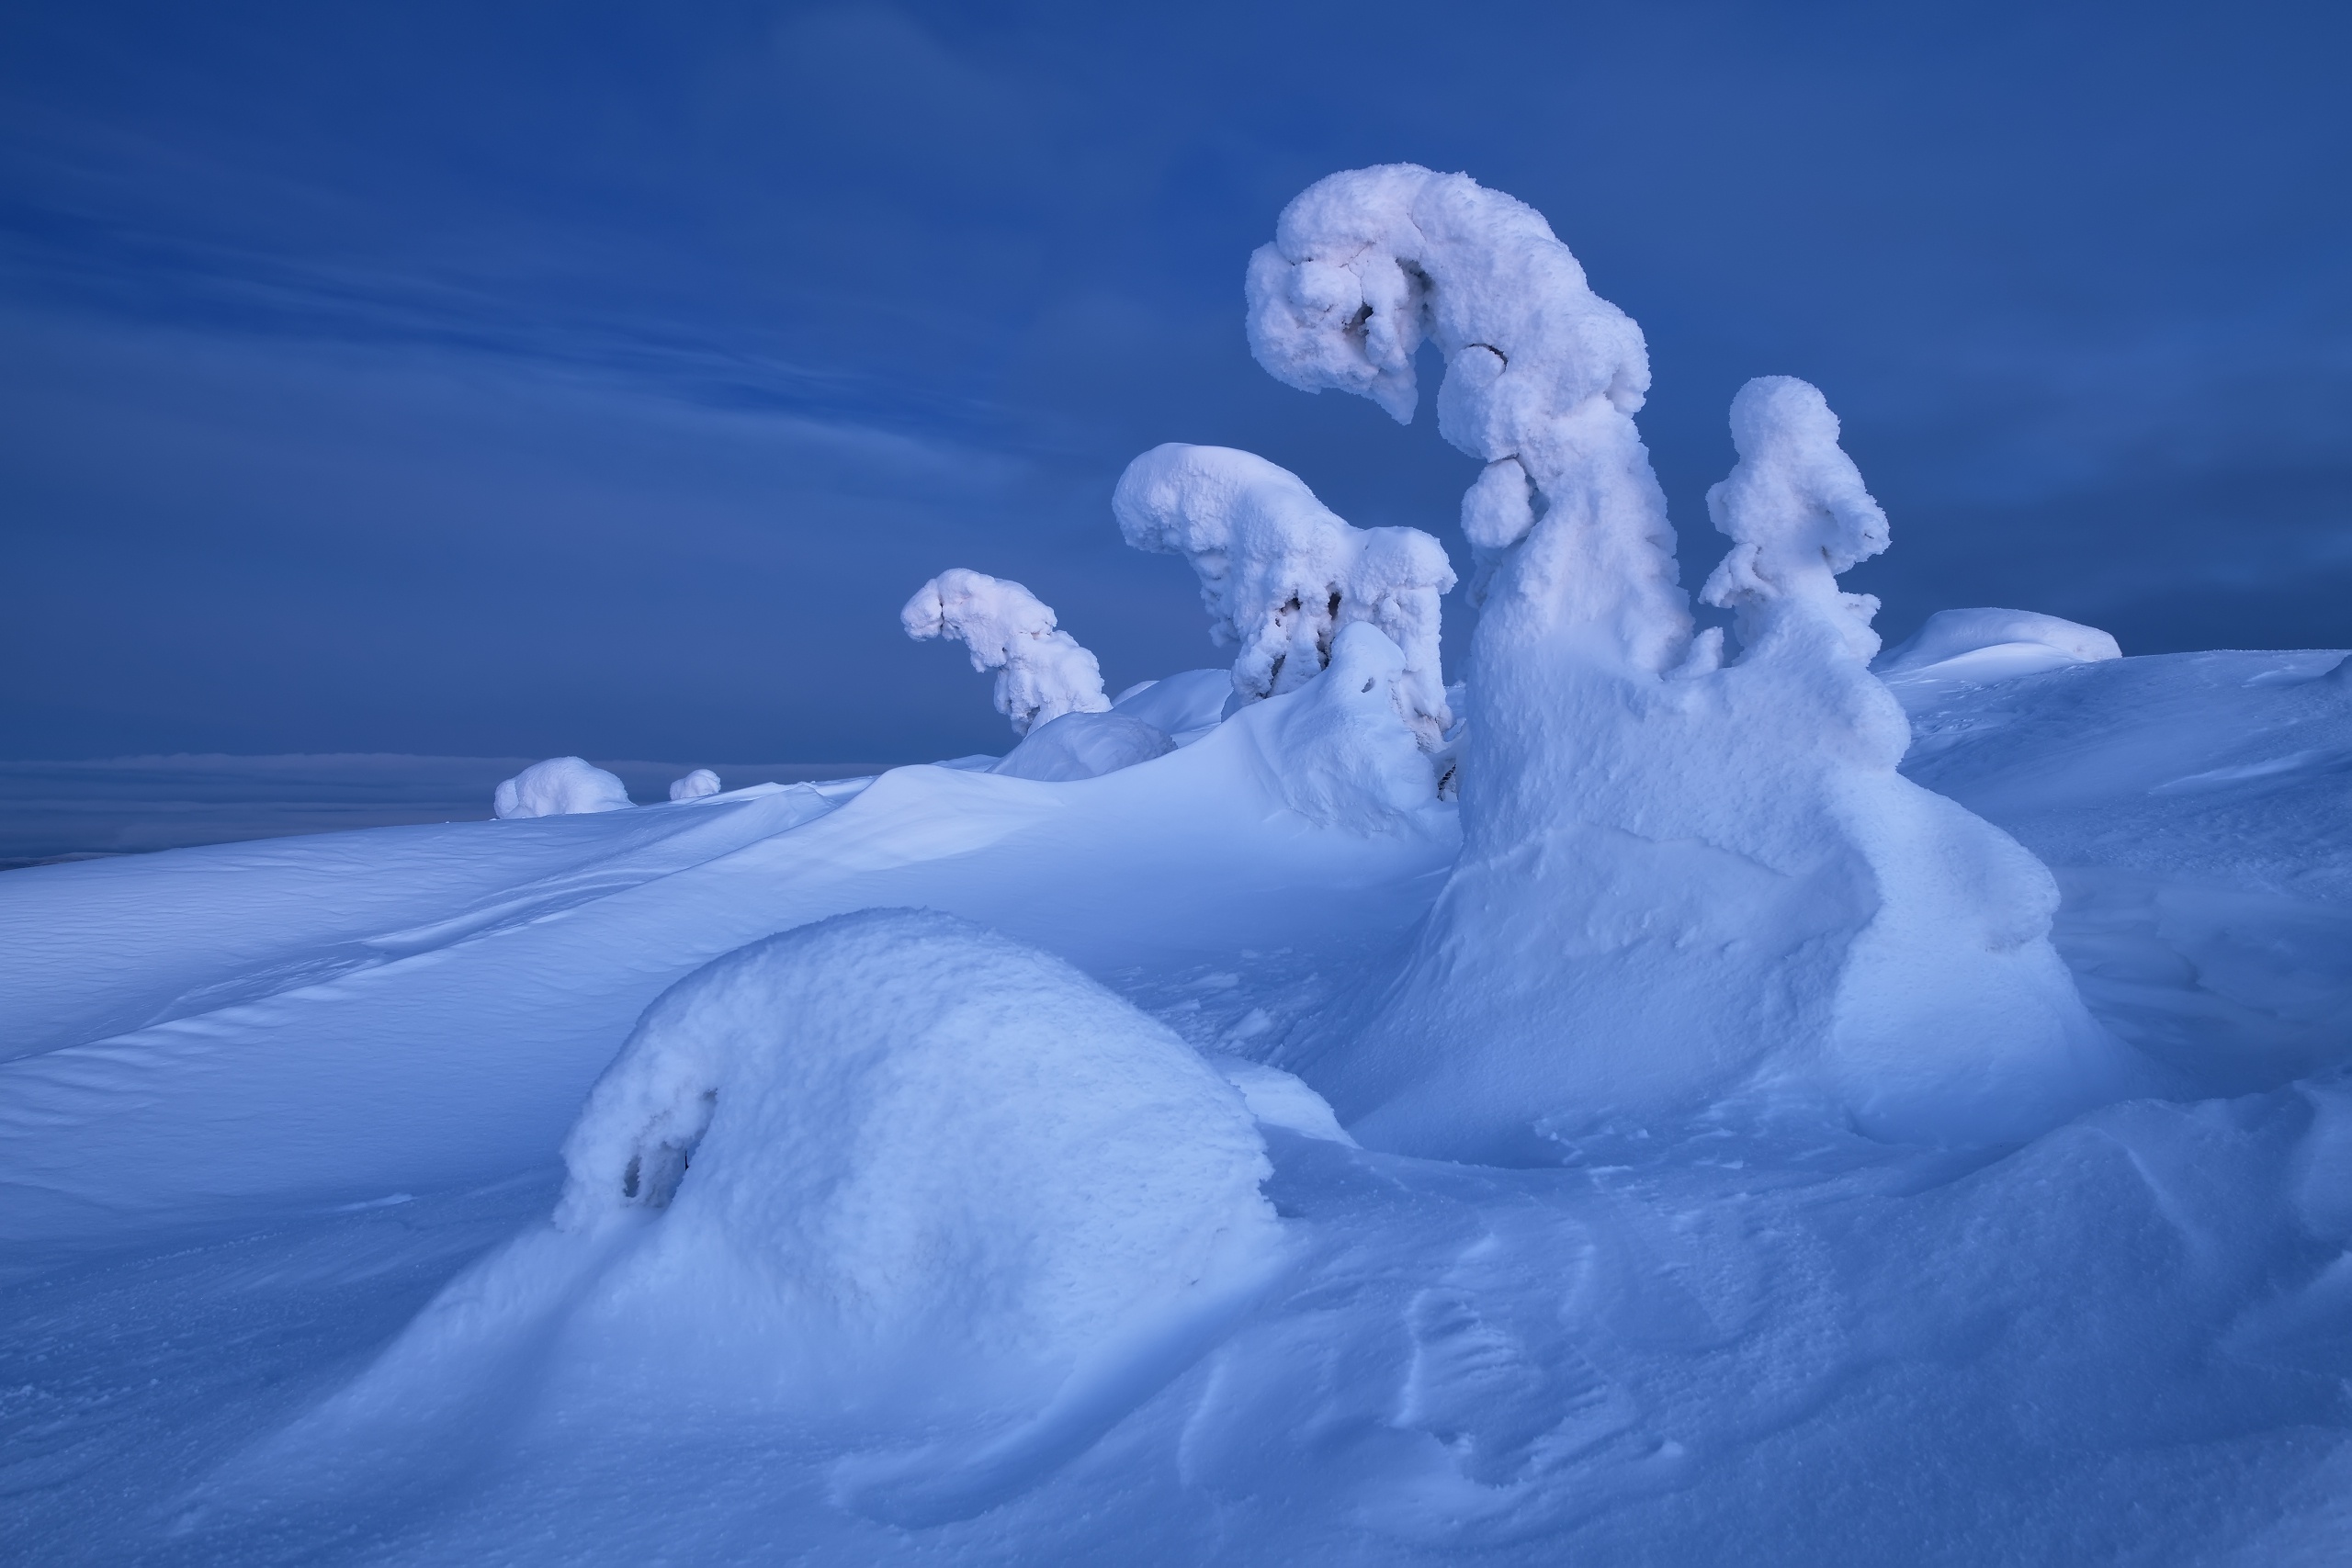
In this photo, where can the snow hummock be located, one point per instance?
(560, 786)
(1184, 707)
(1083, 746)
(1041, 672)
(695, 786)
(1717, 860)
(890, 1173)
(1984, 645)
(1281, 573)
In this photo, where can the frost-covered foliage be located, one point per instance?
(1990, 644)
(559, 787)
(1041, 671)
(1797, 516)
(1681, 881)
(1084, 746)
(1281, 573)
(695, 786)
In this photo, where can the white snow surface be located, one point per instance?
(695, 785)
(1977, 647)
(1041, 671)
(1083, 746)
(1184, 707)
(271, 1101)
(1281, 573)
(560, 786)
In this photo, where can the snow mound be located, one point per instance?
(1041, 672)
(560, 786)
(695, 786)
(1986, 644)
(1281, 573)
(1184, 706)
(890, 1171)
(1343, 755)
(1084, 746)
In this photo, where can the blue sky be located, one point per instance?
(520, 378)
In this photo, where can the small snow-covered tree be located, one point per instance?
(1041, 671)
(1281, 573)
(1682, 879)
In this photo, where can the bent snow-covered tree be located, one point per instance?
(1281, 573)
(1041, 671)
(1681, 880)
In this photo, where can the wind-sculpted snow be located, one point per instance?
(890, 1174)
(560, 786)
(1041, 671)
(1083, 746)
(1281, 573)
(1974, 647)
(1683, 880)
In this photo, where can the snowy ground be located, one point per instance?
(263, 1103)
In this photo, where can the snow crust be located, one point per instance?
(695, 785)
(560, 786)
(1041, 671)
(1717, 860)
(1281, 574)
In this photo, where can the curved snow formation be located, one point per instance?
(1985, 645)
(1084, 746)
(882, 1172)
(695, 785)
(1041, 672)
(1281, 573)
(560, 786)
(1681, 880)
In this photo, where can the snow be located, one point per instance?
(695, 785)
(560, 786)
(1041, 672)
(1281, 574)
(1717, 860)
(1083, 746)
(1702, 1140)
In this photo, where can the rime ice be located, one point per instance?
(1041, 671)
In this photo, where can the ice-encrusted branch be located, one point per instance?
(1797, 514)
(1041, 672)
(1281, 573)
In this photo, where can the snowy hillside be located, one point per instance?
(1661, 1099)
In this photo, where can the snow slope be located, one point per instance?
(267, 1101)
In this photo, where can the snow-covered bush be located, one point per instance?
(695, 786)
(1084, 746)
(1041, 672)
(1681, 880)
(1990, 644)
(560, 787)
(1281, 573)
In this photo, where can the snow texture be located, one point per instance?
(695, 786)
(1084, 746)
(560, 786)
(1281, 573)
(1184, 707)
(1993, 645)
(1717, 860)
(1041, 672)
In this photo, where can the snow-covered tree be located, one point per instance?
(1683, 880)
(560, 786)
(1041, 671)
(1281, 573)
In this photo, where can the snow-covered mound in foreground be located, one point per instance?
(1041, 671)
(1994, 645)
(1183, 706)
(560, 786)
(1681, 880)
(1083, 746)
(1281, 573)
(890, 1173)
